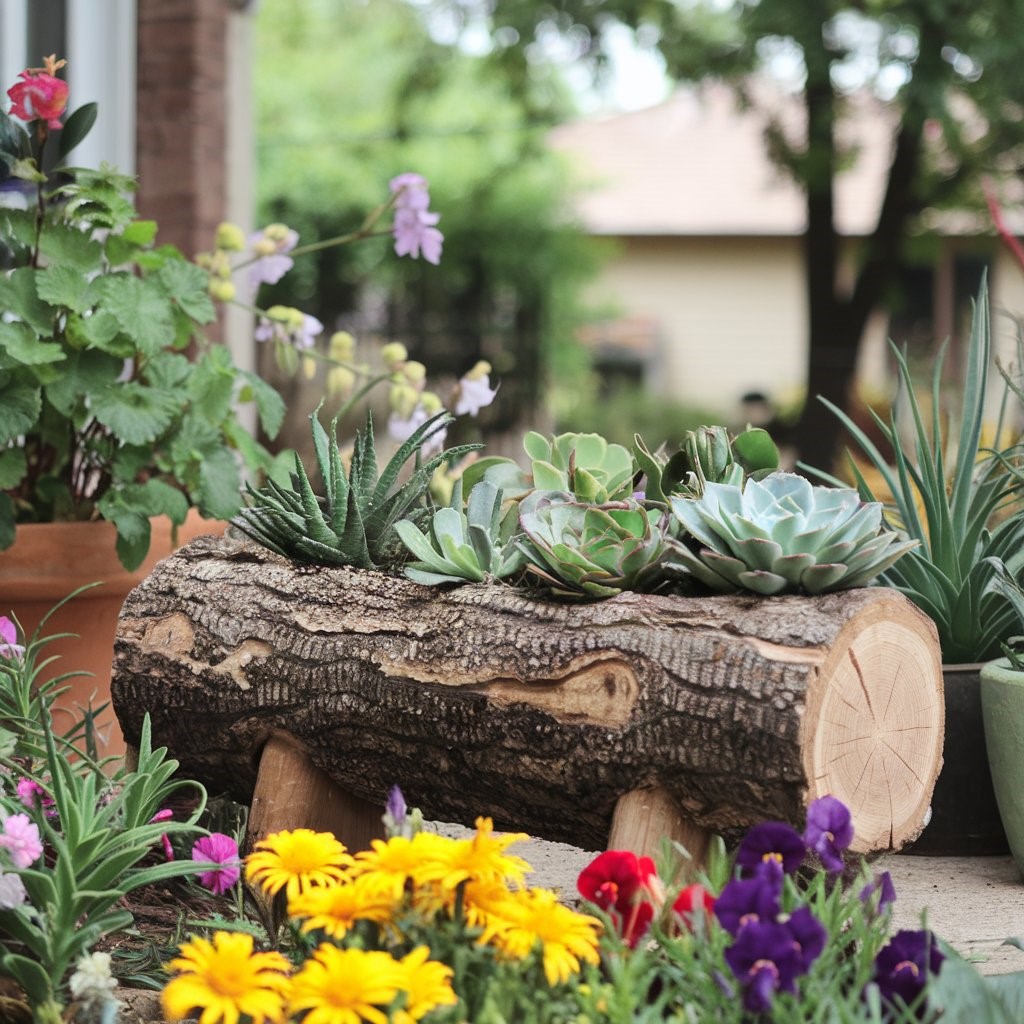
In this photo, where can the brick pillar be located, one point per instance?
(181, 104)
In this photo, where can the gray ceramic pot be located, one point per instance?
(1002, 702)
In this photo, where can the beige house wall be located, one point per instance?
(728, 314)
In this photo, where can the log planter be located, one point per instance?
(311, 691)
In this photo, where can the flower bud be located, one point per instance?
(229, 237)
(221, 290)
(394, 354)
(264, 247)
(342, 346)
(403, 399)
(479, 372)
(431, 403)
(279, 314)
(414, 372)
(308, 367)
(276, 232)
(340, 381)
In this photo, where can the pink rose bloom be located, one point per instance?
(223, 850)
(21, 839)
(29, 792)
(9, 648)
(414, 228)
(39, 96)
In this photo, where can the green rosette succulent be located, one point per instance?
(581, 550)
(781, 534)
(461, 545)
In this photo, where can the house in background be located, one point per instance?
(707, 284)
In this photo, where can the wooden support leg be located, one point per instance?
(291, 792)
(643, 817)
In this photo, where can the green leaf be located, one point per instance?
(141, 310)
(18, 342)
(62, 286)
(101, 330)
(13, 466)
(211, 384)
(75, 129)
(7, 526)
(30, 975)
(270, 405)
(220, 490)
(20, 405)
(18, 296)
(186, 285)
(68, 247)
(135, 413)
(140, 232)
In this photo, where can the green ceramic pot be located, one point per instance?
(1002, 703)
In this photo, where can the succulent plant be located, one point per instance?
(476, 543)
(707, 455)
(354, 523)
(582, 550)
(586, 466)
(783, 534)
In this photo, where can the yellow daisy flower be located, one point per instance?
(336, 908)
(226, 979)
(482, 857)
(296, 860)
(566, 937)
(427, 983)
(488, 905)
(345, 986)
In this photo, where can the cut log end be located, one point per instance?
(874, 725)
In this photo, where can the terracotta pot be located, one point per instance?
(1002, 704)
(965, 818)
(50, 560)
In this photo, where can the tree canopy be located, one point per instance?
(950, 68)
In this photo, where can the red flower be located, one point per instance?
(40, 96)
(692, 904)
(621, 884)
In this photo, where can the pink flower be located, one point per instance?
(270, 246)
(29, 792)
(414, 230)
(39, 96)
(21, 839)
(222, 850)
(12, 891)
(9, 648)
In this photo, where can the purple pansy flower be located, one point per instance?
(771, 842)
(766, 959)
(749, 900)
(223, 850)
(904, 966)
(414, 229)
(883, 885)
(808, 933)
(829, 831)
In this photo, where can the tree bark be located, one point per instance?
(485, 699)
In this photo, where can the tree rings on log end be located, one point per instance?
(874, 721)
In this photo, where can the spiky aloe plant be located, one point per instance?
(783, 534)
(474, 543)
(707, 455)
(354, 523)
(581, 550)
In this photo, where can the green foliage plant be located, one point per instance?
(961, 503)
(353, 524)
(103, 414)
(472, 543)
(781, 534)
(97, 832)
(591, 551)
(707, 453)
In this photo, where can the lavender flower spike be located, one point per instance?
(829, 831)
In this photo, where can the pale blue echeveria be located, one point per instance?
(783, 534)
(581, 550)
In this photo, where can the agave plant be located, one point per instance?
(953, 499)
(476, 543)
(707, 455)
(783, 534)
(354, 523)
(582, 550)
